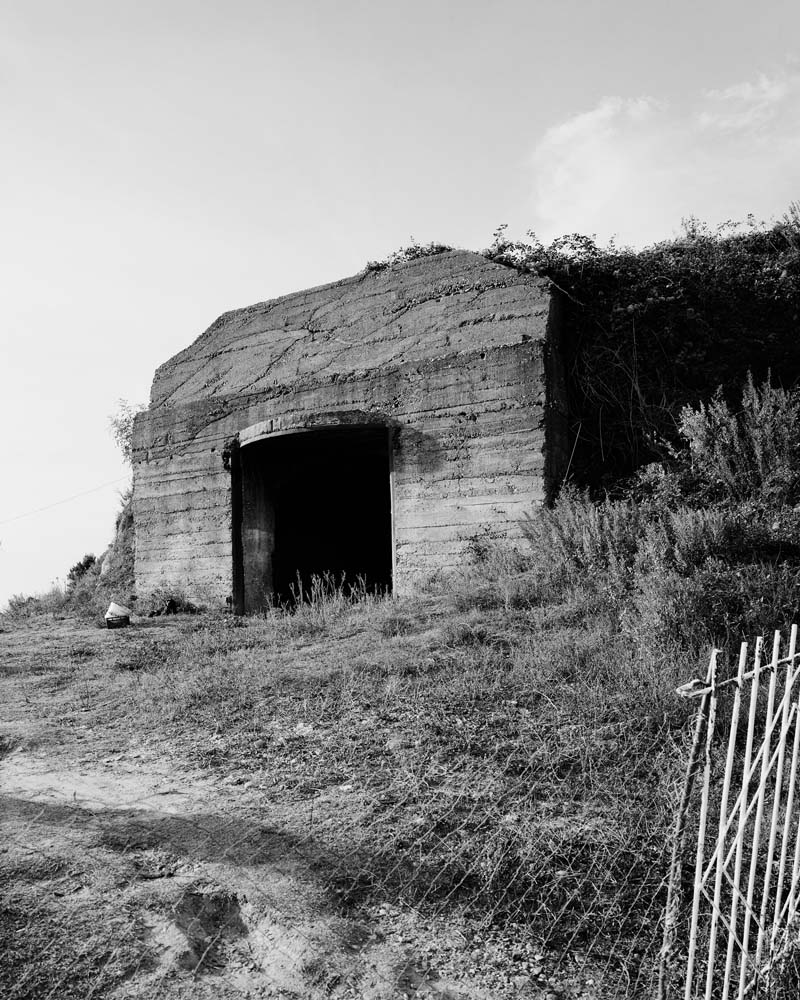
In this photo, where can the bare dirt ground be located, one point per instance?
(126, 872)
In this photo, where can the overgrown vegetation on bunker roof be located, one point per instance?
(650, 331)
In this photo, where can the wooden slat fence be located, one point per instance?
(738, 937)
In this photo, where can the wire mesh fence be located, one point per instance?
(510, 883)
(445, 826)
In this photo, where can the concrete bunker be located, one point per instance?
(308, 503)
(372, 427)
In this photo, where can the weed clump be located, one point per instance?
(414, 251)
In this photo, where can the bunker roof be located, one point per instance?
(427, 307)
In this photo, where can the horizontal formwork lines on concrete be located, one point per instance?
(185, 541)
(196, 538)
(205, 452)
(368, 304)
(217, 379)
(391, 336)
(506, 417)
(182, 570)
(429, 414)
(474, 371)
(402, 403)
(183, 463)
(518, 341)
(519, 431)
(421, 396)
(485, 406)
(183, 577)
(506, 486)
(460, 514)
(203, 506)
(455, 502)
(455, 555)
(184, 544)
(175, 484)
(179, 502)
(430, 526)
(187, 536)
(495, 416)
(174, 506)
(507, 364)
(441, 476)
(211, 518)
(476, 458)
(457, 543)
(510, 444)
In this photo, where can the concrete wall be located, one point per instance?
(451, 351)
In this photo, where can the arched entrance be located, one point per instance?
(309, 503)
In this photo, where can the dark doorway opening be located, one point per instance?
(313, 503)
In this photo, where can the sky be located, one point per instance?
(163, 162)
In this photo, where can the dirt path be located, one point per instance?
(132, 876)
(211, 902)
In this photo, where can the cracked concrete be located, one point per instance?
(418, 348)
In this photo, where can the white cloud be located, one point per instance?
(635, 167)
(747, 105)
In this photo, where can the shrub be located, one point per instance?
(701, 550)
(652, 330)
(579, 541)
(118, 560)
(25, 606)
(716, 603)
(79, 570)
(121, 424)
(496, 574)
(752, 453)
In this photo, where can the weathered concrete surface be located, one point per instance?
(452, 352)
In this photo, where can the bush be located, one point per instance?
(121, 424)
(80, 569)
(716, 603)
(578, 541)
(118, 560)
(24, 606)
(752, 453)
(702, 549)
(651, 331)
(496, 574)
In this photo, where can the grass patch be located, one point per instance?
(73, 952)
(462, 752)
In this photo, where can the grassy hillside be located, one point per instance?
(502, 752)
(471, 755)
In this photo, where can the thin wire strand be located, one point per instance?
(58, 503)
